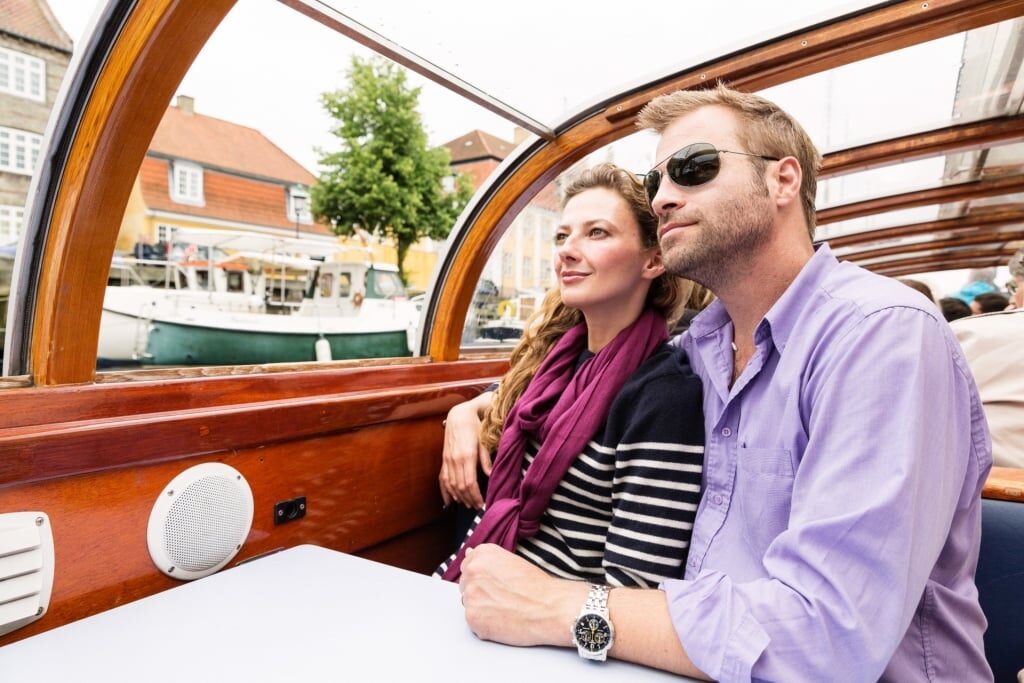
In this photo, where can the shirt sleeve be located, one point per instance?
(887, 422)
(656, 485)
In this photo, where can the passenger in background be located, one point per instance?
(953, 308)
(991, 302)
(919, 286)
(598, 423)
(994, 347)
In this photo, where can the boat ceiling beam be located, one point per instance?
(968, 223)
(965, 137)
(956, 192)
(996, 256)
(951, 264)
(994, 239)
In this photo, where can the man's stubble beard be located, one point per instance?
(720, 248)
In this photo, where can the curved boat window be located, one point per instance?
(240, 198)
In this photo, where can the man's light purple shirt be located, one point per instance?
(837, 537)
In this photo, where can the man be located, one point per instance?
(994, 350)
(837, 534)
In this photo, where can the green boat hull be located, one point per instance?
(177, 344)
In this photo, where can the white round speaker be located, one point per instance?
(200, 521)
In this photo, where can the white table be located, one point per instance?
(304, 614)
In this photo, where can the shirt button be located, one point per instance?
(718, 499)
(726, 432)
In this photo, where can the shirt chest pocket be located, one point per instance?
(763, 494)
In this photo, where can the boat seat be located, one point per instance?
(1000, 580)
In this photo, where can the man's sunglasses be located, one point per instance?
(693, 165)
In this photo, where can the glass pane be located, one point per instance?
(957, 79)
(921, 174)
(35, 50)
(517, 275)
(547, 59)
(918, 214)
(230, 268)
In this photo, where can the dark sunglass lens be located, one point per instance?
(695, 168)
(652, 181)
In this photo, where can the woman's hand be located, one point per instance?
(463, 453)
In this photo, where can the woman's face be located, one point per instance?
(600, 263)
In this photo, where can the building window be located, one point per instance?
(528, 270)
(506, 265)
(19, 150)
(165, 233)
(10, 223)
(298, 205)
(187, 187)
(22, 75)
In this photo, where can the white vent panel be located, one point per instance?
(21, 563)
(26, 568)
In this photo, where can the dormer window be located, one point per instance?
(22, 75)
(299, 206)
(187, 183)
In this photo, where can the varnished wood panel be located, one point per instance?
(363, 488)
(421, 551)
(24, 407)
(974, 189)
(965, 137)
(1005, 483)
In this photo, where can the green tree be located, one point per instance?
(385, 179)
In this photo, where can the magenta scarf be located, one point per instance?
(562, 409)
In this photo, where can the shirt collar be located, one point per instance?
(782, 317)
(784, 314)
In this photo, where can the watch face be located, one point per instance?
(593, 632)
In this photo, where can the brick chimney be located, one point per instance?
(186, 105)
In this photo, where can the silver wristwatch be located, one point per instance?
(592, 632)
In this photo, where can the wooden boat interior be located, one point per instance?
(361, 440)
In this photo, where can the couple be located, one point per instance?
(837, 531)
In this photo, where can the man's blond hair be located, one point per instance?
(768, 130)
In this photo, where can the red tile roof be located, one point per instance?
(214, 142)
(227, 198)
(33, 19)
(478, 145)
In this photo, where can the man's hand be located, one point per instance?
(463, 452)
(509, 600)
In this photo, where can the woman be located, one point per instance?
(598, 423)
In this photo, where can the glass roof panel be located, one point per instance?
(999, 233)
(548, 59)
(957, 79)
(921, 174)
(918, 214)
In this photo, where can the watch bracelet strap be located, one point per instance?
(597, 599)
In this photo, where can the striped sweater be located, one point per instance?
(624, 511)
